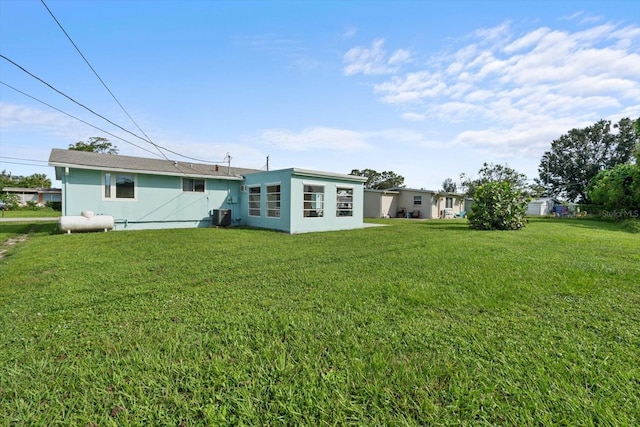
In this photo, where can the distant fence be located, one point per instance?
(592, 210)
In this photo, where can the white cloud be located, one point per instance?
(629, 111)
(374, 60)
(350, 32)
(456, 111)
(524, 139)
(526, 87)
(326, 139)
(498, 34)
(399, 56)
(625, 37)
(53, 124)
(315, 138)
(413, 117)
(413, 87)
(582, 18)
(527, 40)
(454, 68)
(14, 116)
(586, 86)
(479, 95)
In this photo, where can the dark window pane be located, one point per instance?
(125, 187)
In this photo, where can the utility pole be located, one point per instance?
(227, 158)
(267, 163)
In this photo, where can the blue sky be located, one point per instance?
(428, 89)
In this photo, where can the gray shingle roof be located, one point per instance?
(116, 162)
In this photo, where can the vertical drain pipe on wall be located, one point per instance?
(66, 178)
(226, 200)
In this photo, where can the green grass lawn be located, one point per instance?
(416, 323)
(34, 213)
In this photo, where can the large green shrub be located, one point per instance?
(498, 206)
(56, 206)
(617, 188)
(10, 200)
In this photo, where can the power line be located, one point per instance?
(109, 133)
(99, 78)
(148, 139)
(71, 99)
(27, 160)
(24, 164)
(77, 118)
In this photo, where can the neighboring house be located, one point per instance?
(412, 203)
(449, 205)
(143, 193)
(39, 196)
(541, 207)
(380, 203)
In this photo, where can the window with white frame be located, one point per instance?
(273, 200)
(344, 202)
(254, 201)
(107, 185)
(193, 185)
(448, 202)
(417, 200)
(313, 201)
(119, 186)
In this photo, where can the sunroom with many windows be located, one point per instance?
(254, 200)
(273, 200)
(344, 201)
(313, 201)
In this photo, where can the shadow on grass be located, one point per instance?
(29, 228)
(626, 226)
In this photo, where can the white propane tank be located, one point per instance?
(86, 221)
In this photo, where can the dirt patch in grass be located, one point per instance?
(12, 242)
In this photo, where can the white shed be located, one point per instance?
(540, 207)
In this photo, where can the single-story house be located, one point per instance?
(541, 207)
(380, 203)
(412, 203)
(144, 193)
(39, 196)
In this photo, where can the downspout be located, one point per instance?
(64, 199)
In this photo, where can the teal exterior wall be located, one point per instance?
(292, 219)
(330, 220)
(159, 200)
(263, 179)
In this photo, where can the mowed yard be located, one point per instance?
(414, 323)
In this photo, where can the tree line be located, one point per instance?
(599, 164)
(581, 160)
(37, 180)
(94, 144)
